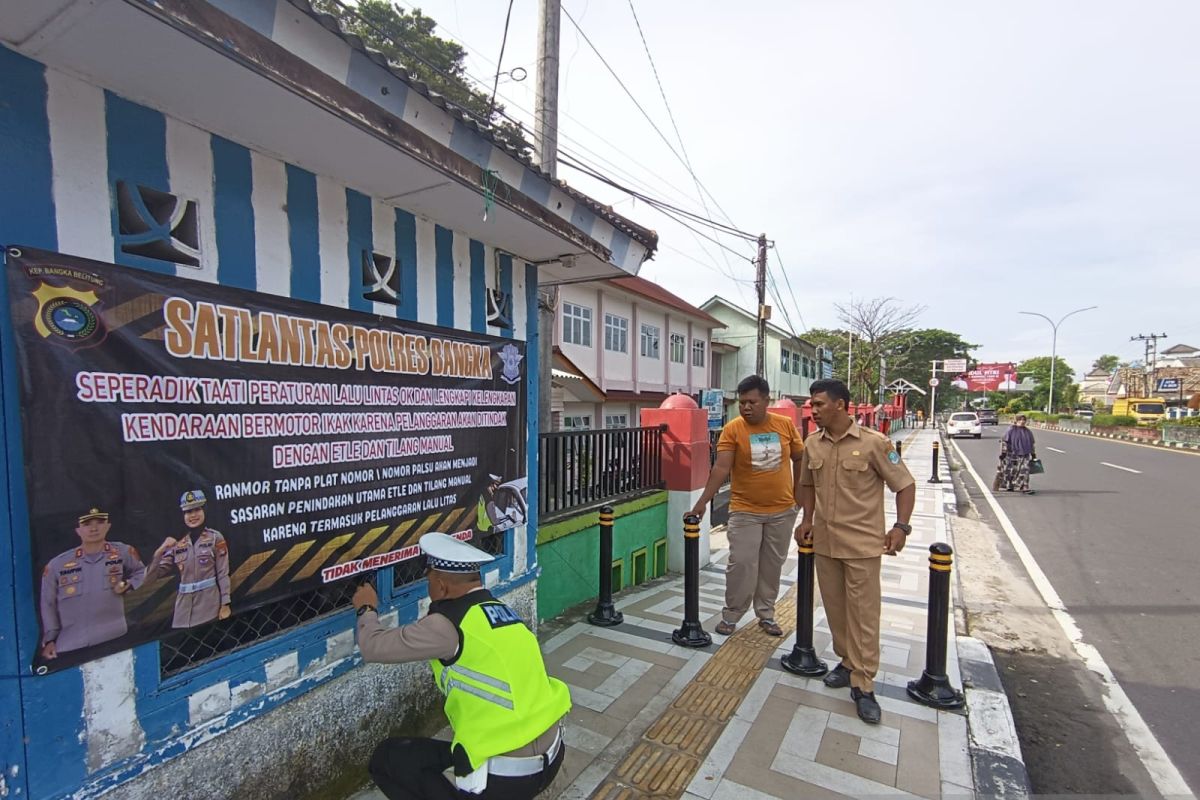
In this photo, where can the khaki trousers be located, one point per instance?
(758, 546)
(851, 596)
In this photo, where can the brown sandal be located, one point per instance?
(770, 627)
(725, 628)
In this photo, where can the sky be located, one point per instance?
(974, 159)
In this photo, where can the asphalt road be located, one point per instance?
(1116, 529)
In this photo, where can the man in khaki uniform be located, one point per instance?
(202, 559)
(842, 475)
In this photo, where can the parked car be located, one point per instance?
(964, 423)
(988, 416)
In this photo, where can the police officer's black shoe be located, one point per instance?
(837, 678)
(864, 703)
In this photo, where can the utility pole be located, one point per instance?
(545, 139)
(764, 311)
(933, 370)
(850, 364)
(545, 121)
(1150, 370)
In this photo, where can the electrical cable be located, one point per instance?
(500, 61)
(788, 281)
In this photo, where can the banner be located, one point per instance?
(193, 451)
(713, 401)
(991, 378)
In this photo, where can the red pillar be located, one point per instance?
(686, 466)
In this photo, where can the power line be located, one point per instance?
(788, 281)
(500, 62)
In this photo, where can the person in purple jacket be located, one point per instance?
(1017, 450)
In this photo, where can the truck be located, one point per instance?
(1146, 410)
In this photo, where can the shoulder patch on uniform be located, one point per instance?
(133, 550)
(221, 547)
(498, 615)
(893, 457)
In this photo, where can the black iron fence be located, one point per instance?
(582, 468)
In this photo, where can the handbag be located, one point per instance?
(1036, 467)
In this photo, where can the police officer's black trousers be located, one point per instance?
(411, 769)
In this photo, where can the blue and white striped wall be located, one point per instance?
(265, 225)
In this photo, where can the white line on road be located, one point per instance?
(1118, 466)
(1055, 449)
(1164, 774)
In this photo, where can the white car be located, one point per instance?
(964, 423)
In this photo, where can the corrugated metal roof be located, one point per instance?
(644, 235)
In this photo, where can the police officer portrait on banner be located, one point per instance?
(506, 712)
(82, 589)
(503, 506)
(201, 559)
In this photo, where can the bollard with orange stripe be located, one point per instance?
(691, 634)
(803, 658)
(606, 614)
(933, 688)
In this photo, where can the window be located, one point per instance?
(804, 367)
(785, 361)
(650, 341)
(795, 363)
(577, 422)
(677, 347)
(616, 333)
(616, 420)
(577, 325)
(697, 354)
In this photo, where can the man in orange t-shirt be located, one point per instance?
(762, 451)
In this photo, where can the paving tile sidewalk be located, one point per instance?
(651, 718)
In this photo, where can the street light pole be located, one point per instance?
(1054, 347)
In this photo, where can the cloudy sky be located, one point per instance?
(977, 159)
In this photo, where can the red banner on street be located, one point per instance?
(991, 377)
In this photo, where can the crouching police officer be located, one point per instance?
(505, 710)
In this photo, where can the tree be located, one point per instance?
(877, 325)
(1039, 368)
(407, 38)
(1106, 363)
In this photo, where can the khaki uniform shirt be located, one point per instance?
(432, 636)
(203, 568)
(79, 602)
(848, 475)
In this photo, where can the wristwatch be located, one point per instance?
(904, 526)
(364, 609)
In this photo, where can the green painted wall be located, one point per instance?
(569, 549)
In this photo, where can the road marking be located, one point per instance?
(1055, 449)
(1118, 466)
(1164, 774)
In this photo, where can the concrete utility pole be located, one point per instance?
(1151, 359)
(545, 140)
(545, 121)
(764, 312)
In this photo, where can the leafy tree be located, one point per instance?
(407, 38)
(1106, 362)
(1039, 369)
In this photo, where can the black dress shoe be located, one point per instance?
(868, 709)
(837, 678)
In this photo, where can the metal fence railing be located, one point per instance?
(582, 468)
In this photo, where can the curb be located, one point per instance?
(1123, 438)
(996, 761)
(997, 766)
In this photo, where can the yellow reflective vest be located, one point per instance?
(498, 695)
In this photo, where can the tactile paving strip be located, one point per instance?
(664, 761)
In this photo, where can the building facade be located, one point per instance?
(629, 343)
(250, 146)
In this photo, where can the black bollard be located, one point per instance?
(898, 446)
(691, 634)
(933, 688)
(606, 614)
(803, 658)
(934, 477)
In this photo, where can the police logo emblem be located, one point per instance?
(894, 457)
(65, 313)
(511, 357)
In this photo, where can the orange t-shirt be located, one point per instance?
(762, 479)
